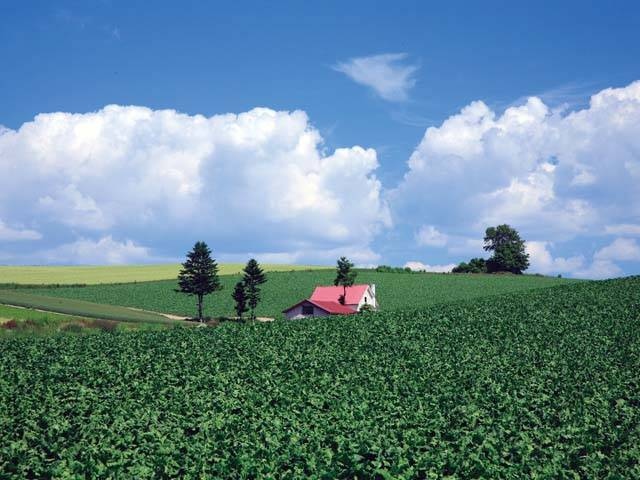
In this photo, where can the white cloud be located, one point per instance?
(385, 74)
(541, 260)
(598, 270)
(602, 265)
(259, 180)
(624, 249)
(9, 234)
(106, 250)
(553, 175)
(74, 209)
(423, 267)
(362, 255)
(623, 229)
(428, 235)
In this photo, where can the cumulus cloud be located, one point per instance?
(604, 260)
(598, 270)
(430, 236)
(623, 249)
(9, 234)
(362, 255)
(602, 265)
(423, 267)
(385, 74)
(106, 250)
(259, 180)
(542, 261)
(554, 175)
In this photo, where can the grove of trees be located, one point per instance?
(199, 277)
(509, 253)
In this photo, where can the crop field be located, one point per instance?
(25, 298)
(394, 291)
(15, 322)
(537, 384)
(89, 275)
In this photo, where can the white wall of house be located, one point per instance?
(369, 297)
(296, 312)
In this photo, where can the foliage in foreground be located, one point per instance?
(393, 290)
(544, 383)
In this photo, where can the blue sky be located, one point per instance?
(326, 148)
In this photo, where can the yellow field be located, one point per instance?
(91, 275)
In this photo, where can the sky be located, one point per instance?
(390, 132)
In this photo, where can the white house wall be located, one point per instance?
(371, 299)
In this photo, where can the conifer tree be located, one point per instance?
(253, 278)
(240, 296)
(199, 274)
(345, 276)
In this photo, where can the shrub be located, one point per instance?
(366, 308)
(475, 265)
(105, 325)
(72, 328)
(9, 325)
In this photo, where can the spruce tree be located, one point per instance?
(253, 278)
(345, 276)
(240, 296)
(199, 274)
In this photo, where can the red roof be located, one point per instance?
(332, 294)
(334, 308)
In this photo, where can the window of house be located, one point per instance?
(307, 310)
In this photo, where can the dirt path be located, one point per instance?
(170, 316)
(180, 317)
(166, 315)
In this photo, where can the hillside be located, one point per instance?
(394, 291)
(542, 383)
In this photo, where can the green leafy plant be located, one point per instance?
(534, 384)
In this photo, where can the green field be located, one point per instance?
(537, 384)
(283, 289)
(90, 275)
(25, 298)
(15, 321)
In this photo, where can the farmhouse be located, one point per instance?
(326, 301)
